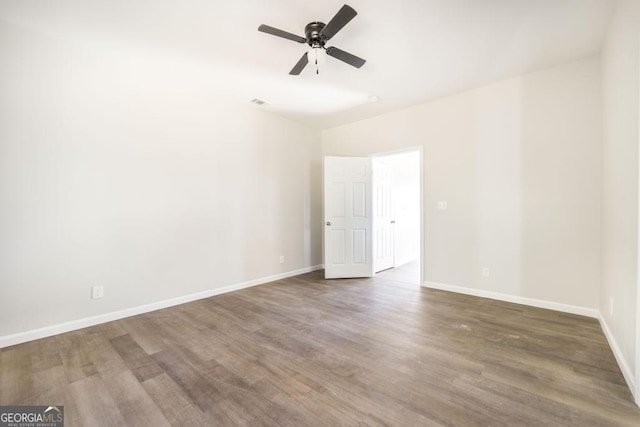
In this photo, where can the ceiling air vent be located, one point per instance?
(257, 101)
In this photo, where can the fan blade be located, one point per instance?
(342, 18)
(345, 57)
(276, 32)
(297, 69)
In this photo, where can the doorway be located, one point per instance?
(397, 236)
(353, 235)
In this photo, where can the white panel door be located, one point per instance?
(383, 221)
(348, 245)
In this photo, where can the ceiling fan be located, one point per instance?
(317, 34)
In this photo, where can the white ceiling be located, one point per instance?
(416, 50)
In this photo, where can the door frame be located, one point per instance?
(637, 361)
(420, 150)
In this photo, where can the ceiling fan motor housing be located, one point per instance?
(312, 31)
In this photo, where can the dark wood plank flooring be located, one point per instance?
(306, 351)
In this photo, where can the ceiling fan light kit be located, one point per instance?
(317, 56)
(316, 36)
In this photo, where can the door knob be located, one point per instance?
(328, 222)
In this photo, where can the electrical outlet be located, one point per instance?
(486, 272)
(610, 306)
(442, 205)
(281, 259)
(97, 292)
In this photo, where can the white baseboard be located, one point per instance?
(47, 331)
(566, 308)
(617, 352)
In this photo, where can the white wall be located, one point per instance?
(141, 174)
(621, 73)
(519, 164)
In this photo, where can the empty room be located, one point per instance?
(298, 213)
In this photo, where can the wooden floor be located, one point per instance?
(305, 351)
